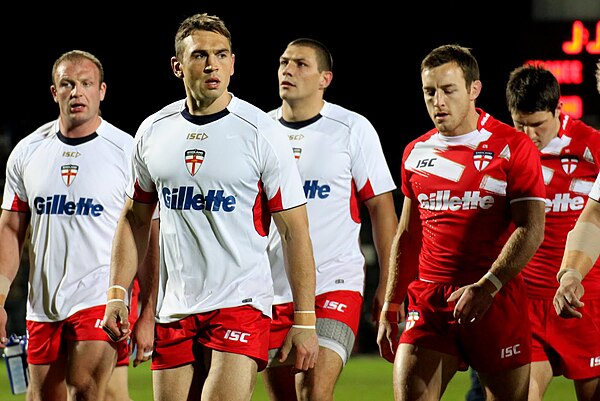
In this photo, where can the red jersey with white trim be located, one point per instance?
(463, 187)
(570, 164)
(342, 164)
(74, 189)
(218, 179)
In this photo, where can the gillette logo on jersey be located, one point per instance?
(312, 189)
(564, 203)
(442, 200)
(184, 198)
(58, 204)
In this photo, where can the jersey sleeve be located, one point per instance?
(141, 188)
(370, 171)
(15, 196)
(281, 179)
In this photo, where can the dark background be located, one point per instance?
(377, 48)
(376, 54)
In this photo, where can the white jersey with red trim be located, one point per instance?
(570, 164)
(463, 187)
(595, 191)
(74, 189)
(342, 164)
(218, 179)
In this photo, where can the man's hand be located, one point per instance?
(568, 295)
(3, 320)
(306, 347)
(142, 338)
(387, 339)
(116, 320)
(472, 302)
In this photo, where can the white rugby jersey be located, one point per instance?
(218, 178)
(75, 190)
(341, 164)
(595, 192)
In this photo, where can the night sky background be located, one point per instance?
(376, 49)
(376, 52)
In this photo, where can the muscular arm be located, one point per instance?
(404, 254)
(580, 255)
(13, 228)
(384, 221)
(529, 218)
(300, 267)
(403, 268)
(576, 258)
(147, 274)
(130, 241)
(298, 255)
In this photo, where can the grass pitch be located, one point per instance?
(365, 377)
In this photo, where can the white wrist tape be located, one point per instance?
(119, 287)
(585, 238)
(575, 272)
(304, 326)
(495, 280)
(390, 307)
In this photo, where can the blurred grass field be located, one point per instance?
(365, 377)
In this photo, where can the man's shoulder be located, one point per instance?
(120, 139)
(249, 113)
(344, 115)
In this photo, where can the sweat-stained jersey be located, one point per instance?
(570, 164)
(75, 192)
(218, 179)
(341, 164)
(463, 187)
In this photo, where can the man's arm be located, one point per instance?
(147, 275)
(581, 252)
(384, 222)
(475, 299)
(13, 228)
(403, 268)
(292, 225)
(130, 241)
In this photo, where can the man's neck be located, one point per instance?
(301, 110)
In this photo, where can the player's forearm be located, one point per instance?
(403, 266)
(13, 227)
(130, 241)
(582, 247)
(301, 273)
(148, 272)
(383, 224)
(516, 253)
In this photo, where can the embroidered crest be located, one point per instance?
(193, 160)
(481, 158)
(569, 163)
(68, 173)
(297, 152)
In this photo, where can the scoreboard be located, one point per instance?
(573, 53)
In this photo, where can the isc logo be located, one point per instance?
(235, 335)
(510, 351)
(594, 362)
(426, 162)
(335, 306)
